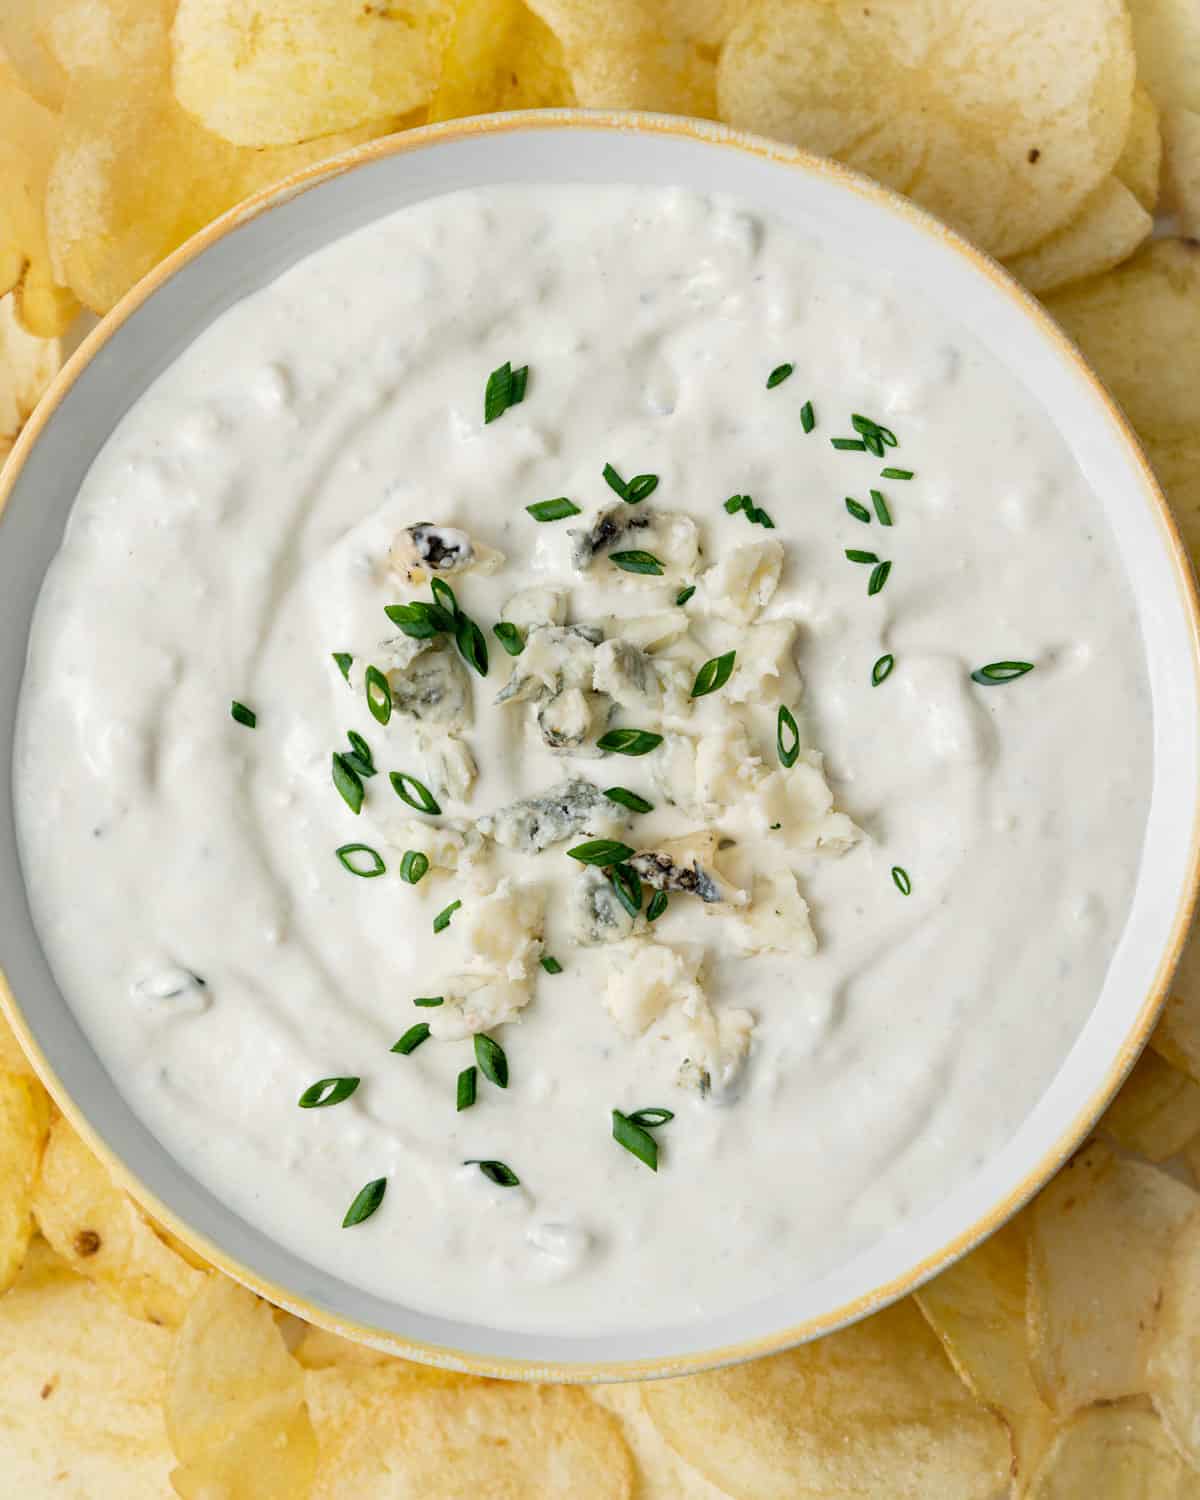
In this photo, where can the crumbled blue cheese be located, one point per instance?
(448, 763)
(742, 583)
(594, 912)
(765, 670)
(777, 920)
(647, 979)
(432, 686)
(425, 549)
(536, 606)
(673, 538)
(532, 824)
(688, 865)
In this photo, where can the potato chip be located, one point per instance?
(1003, 123)
(1099, 1235)
(271, 72)
(1114, 1453)
(12, 398)
(1166, 36)
(318, 1349)
(27, 366)
(100, 1232)
(1140, 163)
(873, 1409)
(499, 55)
(81, 1388)
(236, 1414)
(29, 135)
(1177, 1035)
(1174, 1364)
(385, 1431)
(24, 1124)
(1157, 1111)
(1107, 230)
(640, 54)
(977, 1309)
(23, 42)
(1181, 186)
(659, 1472)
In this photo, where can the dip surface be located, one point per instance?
(236, 532)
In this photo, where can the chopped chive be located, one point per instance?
(625, 798)
(848, 445)
(505, 388)
(997, 672)
(640, 486)
(903, 883)
(509, 637)
(858, 511)
(444, 598)
(520, 379)
(881, 508)
(658, 905)
(471, 645)
(778, 375)
(360, 756)
(493, 1064)
(882, 669)
(853, 554)
(412, 1038)
(714, 674)
(366, 1201)
(879, 576)
(242, 714)
(758, 517)
(442, 920)
(550, 964)
(600, 852)
(629, 741)
(627, 884)
(635, 1139)
(420, 620)
(736, 503)
(346, 856)
(615, 482)
(344, 662)
(414, 866)
(379, 695)
(636, 562)
(429, 1002)
(685, 594)
(553, 510)
(652, 1118)
(419, 796)
(327, 1092)
(465, 1093)
(896, 473)
(347, 781)
(787, 737)
(808, 418)
(495, 1171)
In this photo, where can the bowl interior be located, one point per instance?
(253, 246)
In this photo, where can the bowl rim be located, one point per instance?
(1026, 306)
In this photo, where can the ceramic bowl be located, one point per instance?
(248, 248)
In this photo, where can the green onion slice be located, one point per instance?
(808, 418)
(505, 388)
(628, 887)
(896, 473)
(997, 672)
(714, 674)
(553, 510)
(365, 1203)
(778, 375)
(601, 852)
(879, 576)
(882, 669)
(636, 562)
(379, 695)
(465, 1093)
(327, 1092)
(625, 798)
(550, 964)
(429, 1002)
(658, 905)
(493, 1064)
(509, 637)
(858, 511)
(787, 737)
(881, 508)
(685, 594)
(344, 662)
(848, 445)
(412, 1038)
(442, 920)
(242, 714)
(495, 1171)
(471, 645)
(649, 1119)
(414, 866)
(629, 741)
(636, 1140)
(903, 883)
(347, 781)
(856, 555)
(414, 792)
(368, 872)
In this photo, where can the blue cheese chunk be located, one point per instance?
(777, 919)
(647, 979)
(688, 865)
(595, 914)
(741, 585)
(432, 686)
(573, 807)
(424, 549)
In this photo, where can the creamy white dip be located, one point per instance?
(236, 531)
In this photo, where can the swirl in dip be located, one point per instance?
(820, 923)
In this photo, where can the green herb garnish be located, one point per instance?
(326, 1092)
(600, 852)
(471, 645)
(903, 883)
(429, 1002)
(346, 856)
(553, 510)
(736, 503)
(629, 741)
(808, 418)
(881, 508)
(650, 1119)
(419, 619)
(625, 798)
(509, 637)
(550, 964)
(505, 388)
(873, 435)
(493, 1064)
(627, 884)
(414, 792)
(495, 1171)
(754, 513)
(365, 1203)
(242, 714)
(778, 375)
(414, 866)
(882, 669)
(787, 737)
(379, 695)
(714, 674)
(853, 554)
(444, 597)
(633, 490)
(879, 576)
(635, 1138)
(442, 920)
(858, 511)
(344, 662)
(997, 672)
(848, 445)
(412, 1038)
(465, 1094)
(359, 757)
(636, 562)
(347, 781)
(658, 905)
(896, 473)
(685, 594)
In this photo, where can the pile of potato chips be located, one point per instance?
(1061, 1361)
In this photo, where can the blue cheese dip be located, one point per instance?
(688, 770)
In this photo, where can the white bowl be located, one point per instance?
(249, 247)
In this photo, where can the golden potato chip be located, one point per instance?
(12, 399)
(24, 1124)
(1108, 228)
(23, 41)
(1181, 140)
(27, 366)
(977, 1309)
(1174, 1362)
(1099, 1236)
(384, 1431)
(873, 1409)
(1140, 163)
(320, 1350)
(271, 72)
(1114, 1453)
(235, 1408)
(1166, 36)
(1157, 1111)
(640, 54)
(1002, 120)
(100, 1232)
(81, 1391)
(499, 55)
(1177, 1035)
(659, 1472)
